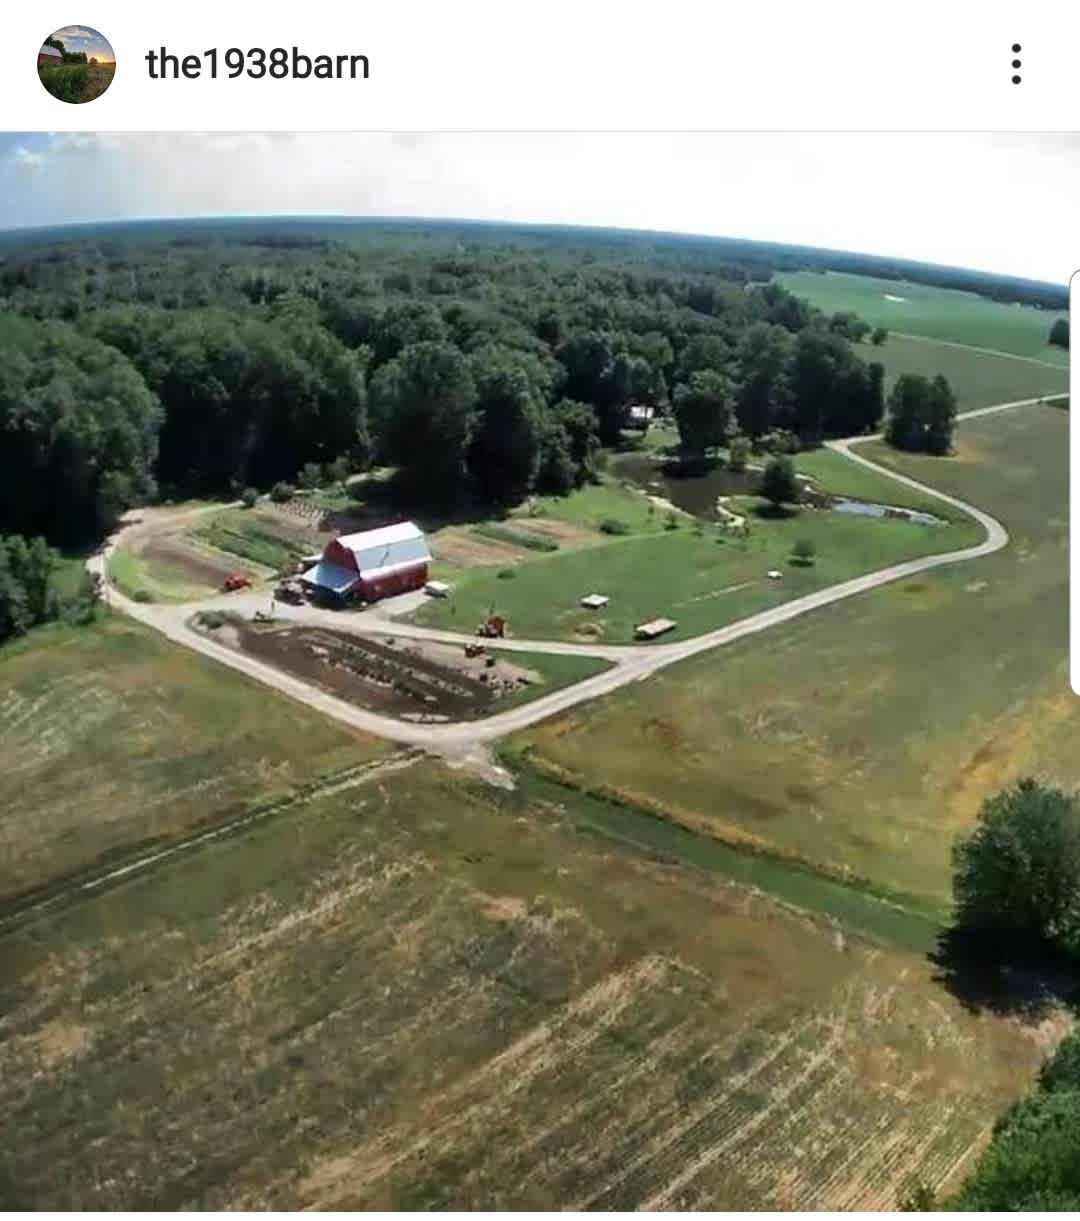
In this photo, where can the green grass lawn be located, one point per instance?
(111, 738)
(658, 438)
(595, 503)
(937, 313)
(701, 578)
(590, 516)
(426, 993)
(863, 738)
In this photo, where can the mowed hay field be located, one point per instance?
(429, 994)
(936, 313)
(862, 738)
(112, 739)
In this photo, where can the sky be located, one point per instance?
(996, 202)
(83, 38)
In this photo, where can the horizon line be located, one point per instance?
(345, 217)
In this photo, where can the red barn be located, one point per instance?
(50, 56)
(372, 565)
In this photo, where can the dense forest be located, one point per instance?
(483, 362)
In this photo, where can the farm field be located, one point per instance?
(167, 570)
(427, 994)
(274, 540)
(701, 577)
(111, 739)
(978, 379)
(862, 739)
(163, 560)
(937, 313)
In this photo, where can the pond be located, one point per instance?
(862, 508)
(693, 491)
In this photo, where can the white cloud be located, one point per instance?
(26, 160)
(1000, 203)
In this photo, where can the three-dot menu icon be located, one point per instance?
(1016, 63)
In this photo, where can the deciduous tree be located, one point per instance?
(1016, 876)
(703, 412)
(778, 483)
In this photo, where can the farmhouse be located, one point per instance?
(371, 565)
(50, 56)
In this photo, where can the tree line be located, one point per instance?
(482, 366)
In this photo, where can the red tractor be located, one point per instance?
(235, 581)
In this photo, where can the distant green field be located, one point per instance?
(702, 578)
(864, 737)
(937, 313)
(978, 379)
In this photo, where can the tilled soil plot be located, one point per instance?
(195, 565)
(397, 677)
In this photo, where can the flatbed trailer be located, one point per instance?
(654, 628)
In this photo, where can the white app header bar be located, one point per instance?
(412, 65)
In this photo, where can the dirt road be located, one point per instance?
(465, 742)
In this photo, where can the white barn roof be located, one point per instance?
(52, 52)
(387, 548)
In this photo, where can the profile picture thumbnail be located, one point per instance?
(76, 64)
